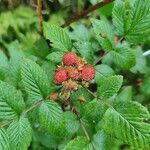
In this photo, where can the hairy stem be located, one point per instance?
(86, 12)
(40, 17)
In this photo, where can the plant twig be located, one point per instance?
(94, 95)
(40, 17)
(33, 106)
(100, 58)
(86, 12)
(5, 123)
(84, 130)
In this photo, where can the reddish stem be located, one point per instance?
(86, 12)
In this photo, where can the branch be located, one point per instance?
(40, 17)
(86, 12)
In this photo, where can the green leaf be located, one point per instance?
(99, 141)
(35, 80)
(75, 96)
(123, 58)
(20, 134)
(126, 122)
(80, 32)
(86, 50)
(16, 55)
(4, 140)
(94, 111)
(59, 38)
(42, 48)
(71, 123)
(49, 69)
(55, 57)
(145, 86)
(131, 19)
(140, 26)
(110, 86)
(77, 143)
(104, 33)
(125, 95)
(11, 102)
(3, 65)
(35, 45)
(51, 117)
(118, 17)
(3, 60)
(140, 65)
(102, 71)
(102, 141)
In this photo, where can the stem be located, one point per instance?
(86, 12)
(5, 123)
(40, 17)
(84, 130)
(100, 58)
(33, 106)
(94, 95)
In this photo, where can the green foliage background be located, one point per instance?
(112, 39)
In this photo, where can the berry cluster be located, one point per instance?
(73, 70)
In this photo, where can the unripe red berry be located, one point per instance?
(60, 75)
(88, 73)
(73, 73)
(70, 58)
(53, 96)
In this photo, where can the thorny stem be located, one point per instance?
(7, 122)
(39, 13)
(86, 12)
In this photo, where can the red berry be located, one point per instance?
(60, 75)
(73, 73)
(88, 72)
(70, 58)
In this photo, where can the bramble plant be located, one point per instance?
(83, 87)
